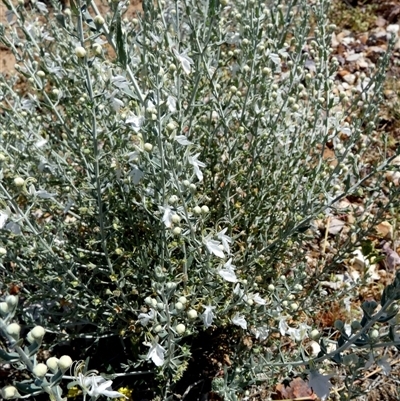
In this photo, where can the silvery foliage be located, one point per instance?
(22, 354)
(171, 177)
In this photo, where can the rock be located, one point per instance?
(384, 230)
(380, 21)
(350, 79)
(343, 73)
(363, 64)
(335, 226)
(359, 261)
(393, 28)
(393, 176)
(389, 94)
(396, 161)
(353, 57)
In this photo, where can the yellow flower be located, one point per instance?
(73, 392)
(125, 391)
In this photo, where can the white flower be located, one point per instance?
(135, 121)
(156, 354)
(240, 292)
(224, 239)
(3, 218)
(167, 217)
(208, 315)
(38, 333)
(258, 300)
(239, 320)
(196, 165)
(184, 59)
(296, 334)
(171, 103)
(213, 247)
(182, 140)
(228, 273)
(95, 386)
(180, 328)
(146, 317)
(261, 333)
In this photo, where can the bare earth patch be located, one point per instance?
(7, 60)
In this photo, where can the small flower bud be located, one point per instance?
(98, 49)
(29, 337)
(179, 306)
(171, 286)
(271, 287)
(294, 306)
(148, 147)
(65, 362)
(41, 74)
(38, 333)
(19, 181)
(4, 308)
(176, 218)
(180, 328)
(374, 334)
(177, 231)
(173, 199)
(266, 71)
(11, 300)
(99, 20)
(9, 392)
(339, 325)
(182, 300)
(197, 210)
(80, 52)
(13, 330)
(170, 126)
(205, 209)
(314, 335)
(40, 370)
(192, 314)
(52, 364)
(157, 329)
(355, 325)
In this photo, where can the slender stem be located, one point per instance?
(95, 144)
